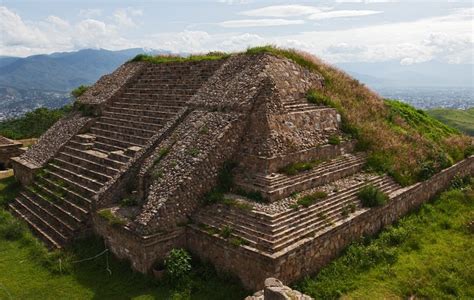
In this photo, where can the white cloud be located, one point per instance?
(124, 16)
(283, 11)
(90, 13)
(259, 23)
(342, 14)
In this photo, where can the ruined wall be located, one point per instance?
(201, 145)
(8, 149)
(312, 254)
(268, 165)
(141, 251)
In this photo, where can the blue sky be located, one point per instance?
(339, 31)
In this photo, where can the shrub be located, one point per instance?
(298, 167)
(226, 232)
(334, 139)
(317, 98)
(79, 91)
(372, 196)
(178, 264)
(312, 198)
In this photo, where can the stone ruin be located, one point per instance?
(144, 145)
(8, 149)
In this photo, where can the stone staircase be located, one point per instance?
(272, 234)
(278, 185)
(300, 105)
(57, 205)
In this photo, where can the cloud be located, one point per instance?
(283, 11)
(342, 14)
(90, 13)
(259, 23)
(124, 16)
(21, 38)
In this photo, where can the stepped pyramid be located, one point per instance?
(146, 144)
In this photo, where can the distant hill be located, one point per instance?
(460, 119)
(61, 71)
(46, 80)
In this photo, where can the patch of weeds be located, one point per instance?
(334, 139)
(157, 174)
(159, 59)
(226, 231)
(252, 195)
(111, 218)
(238, 241)
(129, 201)
(161, 154)
(372, 196)
(318, 98)
(193, 152)
(210, 230)
(204, 130)
(312, 198)
(79, 91)
(295, 168)
(294, 206)
(345, 211)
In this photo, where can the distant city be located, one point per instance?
(420, 97)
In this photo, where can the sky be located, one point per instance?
(409, 32)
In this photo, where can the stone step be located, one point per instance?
(82, 179)
(154, 101)
(96, 157)
(47, 209)
(118, 139)
(50, 241)
(302, 231)
(77, 187)
(43, 194)
(72, 201)
(78, 169)
(144, 133)
(94, 166)
(146, 106)
(130, 123)
(171, 98)
(183, 90)
(282, 180)
(40, 222)
(130, 117)
(110, 142)
(141, 112)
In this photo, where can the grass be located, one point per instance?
(372, 196)
(399, 138)
(463, 120)
(32, 124)
(174, 58)
(312, 198)
(425, 255)
(79, 91)
(28, 271)
(113, 220)
(298, 167)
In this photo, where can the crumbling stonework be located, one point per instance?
(8, 149)
(275, 290)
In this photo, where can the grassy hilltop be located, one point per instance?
(460, 119)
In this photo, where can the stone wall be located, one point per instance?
(200, 147)
(312, 254)
(275, 290)
(268, 165)
(8, 149)
(141, 251)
